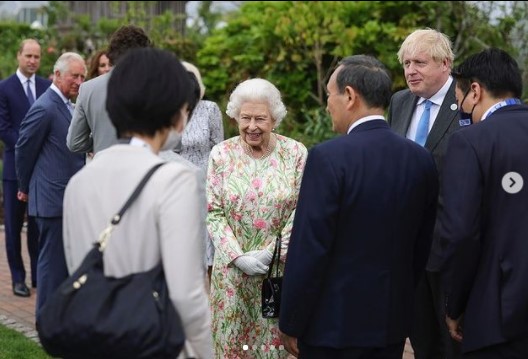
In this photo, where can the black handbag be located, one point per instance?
(271, 286)
(94, 316)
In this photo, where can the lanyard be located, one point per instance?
(507, 102)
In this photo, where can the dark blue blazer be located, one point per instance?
(485, 228)
(13, 107)
(44, 163)
(400, 114)
(360, 240)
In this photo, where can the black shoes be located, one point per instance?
(21, 290)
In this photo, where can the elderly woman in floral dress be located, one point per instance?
(252, 185)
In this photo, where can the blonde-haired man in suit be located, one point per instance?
(427, 59)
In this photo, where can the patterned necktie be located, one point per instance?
(423, 125)
(69, 104)
(30, 97)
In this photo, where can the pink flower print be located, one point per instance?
(257, 183)
(273, 163)
(259, 223)
(233, 198)
(251, 196)
(236, 216)
(230, 292)
(215, 181)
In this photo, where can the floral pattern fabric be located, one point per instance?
(250, 201)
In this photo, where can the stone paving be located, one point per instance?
(16, 312)
(19, 313)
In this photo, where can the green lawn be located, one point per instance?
(15, 345)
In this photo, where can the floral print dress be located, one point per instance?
(250, 201)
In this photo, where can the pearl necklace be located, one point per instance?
(249, 150)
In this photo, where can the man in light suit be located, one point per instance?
(44, 166)
(484, 221)
(362, 229)
(90, 129)
(427, 59)
(15, 102)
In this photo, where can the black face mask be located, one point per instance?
(466, 118)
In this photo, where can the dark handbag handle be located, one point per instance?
(276, 253)
(105, 235)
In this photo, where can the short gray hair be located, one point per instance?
(257, 90)
(63, 62)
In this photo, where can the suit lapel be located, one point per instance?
(405, 112)
(61, 106)
(446, 115)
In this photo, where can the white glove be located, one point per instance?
(250, 265)
(264, 256)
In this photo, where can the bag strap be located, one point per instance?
(105, 235)
(276, 254)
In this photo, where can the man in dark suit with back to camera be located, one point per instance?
(362, 229)
(484, 221)
(427, 113)
(17, 94)
(44, 165)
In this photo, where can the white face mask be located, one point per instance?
(174, 139)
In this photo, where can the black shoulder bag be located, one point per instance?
(271, 286)
(94, 316)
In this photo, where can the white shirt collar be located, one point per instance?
(363, 120)
(438, 97)
(58, 92)
(23, 79)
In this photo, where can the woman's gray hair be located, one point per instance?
(257, 90)
(63, 62)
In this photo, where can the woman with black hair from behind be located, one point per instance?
(167, 222)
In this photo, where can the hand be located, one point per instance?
(264, 256)
(455, 330)
(250, 265)
(21, 196)
(290, 344)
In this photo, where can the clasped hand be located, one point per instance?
(250, 265)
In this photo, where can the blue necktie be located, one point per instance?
(30, 97)
(423, 125)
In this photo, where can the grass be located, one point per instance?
(15, 345)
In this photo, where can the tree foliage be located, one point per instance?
(296, 45)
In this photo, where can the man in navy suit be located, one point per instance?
(484, 221)
(427, 58)
(44, 166)
(15, 100)
(362, 229)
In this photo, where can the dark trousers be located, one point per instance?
(14, 214)
(394, 351)
(52, 270)
(515, 349)
(429, 336)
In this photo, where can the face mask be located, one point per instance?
(173, 141)
(466, 118)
